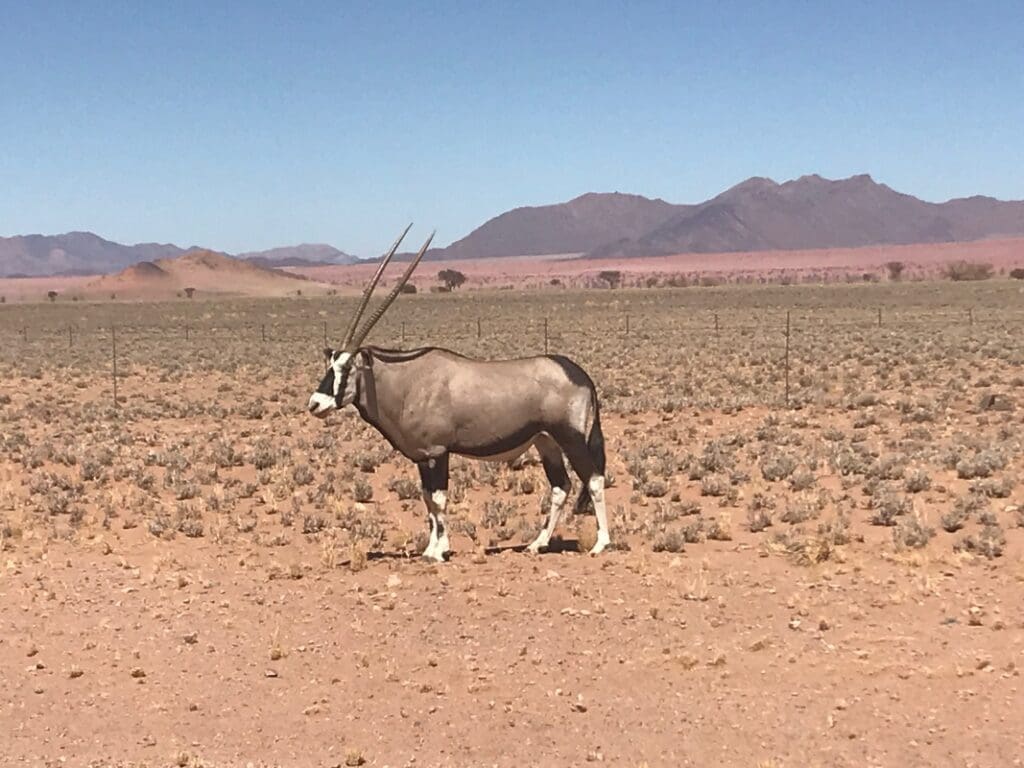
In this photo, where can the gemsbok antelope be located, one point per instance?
(429, 403)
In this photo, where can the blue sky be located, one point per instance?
(250, 125)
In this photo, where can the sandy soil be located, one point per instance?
(128, 647)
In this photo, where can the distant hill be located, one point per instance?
(74, 253)
(305, 255)
(577, 226)
(813, 212)
(207, 272)
(83, 253)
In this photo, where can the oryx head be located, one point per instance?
(338, 387)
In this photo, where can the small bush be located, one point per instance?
(362, 491)
(990, 542)
(968, 270)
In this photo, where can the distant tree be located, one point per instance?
(1016, 274)
(611, 276)
(968, 270)
(408, 288)
(895, 269)
(3, 299)
(452, 278)
(51, 295)
(189, 292)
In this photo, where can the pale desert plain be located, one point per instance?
(818, 555)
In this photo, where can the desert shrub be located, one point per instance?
(669, 541)
(362, 491)
(404, 488)
(994, 489)
(655, 488)
(911, 533)
(802, 480)
(981, 464)
(1017, 273)
(777, 467)
(887, 507)
(312, 524)
(759, 512)
(989, 541)
(302, 474)
(968, 270)
(917, 481)
(714, 485)
(263, 456)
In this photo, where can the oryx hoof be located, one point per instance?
(599, 547)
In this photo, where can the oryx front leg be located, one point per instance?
(434, 481)
(596, 487)
(437, 548)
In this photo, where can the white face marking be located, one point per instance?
(320, 404)
(339, 367)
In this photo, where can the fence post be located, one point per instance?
(24, 333)
(403, 331)
(263, 331)
(325, 334)
(186, 331)
(71, 340)
(970, 315)
(787, 357)
(627, 325)
(113, 359)
(478, 332)
(879, 317)
(716, 324)
(545, 335)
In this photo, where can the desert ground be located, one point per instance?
(818, 555)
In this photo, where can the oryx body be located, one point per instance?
(431, 403)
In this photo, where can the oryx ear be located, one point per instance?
(329, 354)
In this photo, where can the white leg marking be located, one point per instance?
(554, 513)
(440, 499)
(596, 486)
(438, 546)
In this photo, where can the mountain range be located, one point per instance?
(756, 215)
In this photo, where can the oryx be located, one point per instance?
(430, 403)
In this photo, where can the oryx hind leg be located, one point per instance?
(558, 478)
(434, 483)
(587, 457)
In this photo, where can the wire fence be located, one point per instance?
(774, 337)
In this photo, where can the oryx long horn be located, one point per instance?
(368, 291)
(377, 313)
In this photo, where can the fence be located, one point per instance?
(605, 336)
